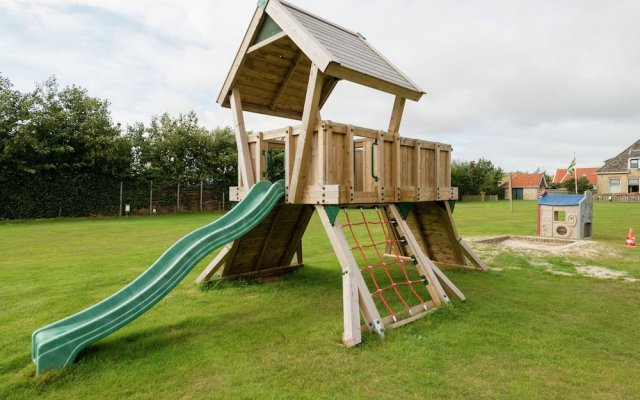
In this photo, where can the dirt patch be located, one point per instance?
(603, 273)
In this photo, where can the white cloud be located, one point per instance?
(525, 84)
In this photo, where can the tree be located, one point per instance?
(476, 177)
(180, 150)
(583, 185)
(63, 131)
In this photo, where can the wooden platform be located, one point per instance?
(349, 164)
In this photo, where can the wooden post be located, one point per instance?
(200, 195)
(381, 167)
(351, 164)
(260, 161)
(303, 149)
(244, 159)
(151, 198)
(119, 209)
(355, 295)
(510, 194)
(417, 178)
(437, 170)
(178, 198)
(396, 114)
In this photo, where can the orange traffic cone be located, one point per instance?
(631, 239)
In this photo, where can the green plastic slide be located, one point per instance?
(57, 345)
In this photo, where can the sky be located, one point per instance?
(525, 84)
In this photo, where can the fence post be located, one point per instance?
(178, 198)
(200, 195)
(223, 200)
(151, 198)
(120, 208)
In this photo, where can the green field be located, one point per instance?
(532, 327)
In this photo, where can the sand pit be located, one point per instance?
(549, 245)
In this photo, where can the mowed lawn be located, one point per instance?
(532, 327)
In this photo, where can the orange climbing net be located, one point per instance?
(391, 276)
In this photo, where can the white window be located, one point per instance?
(633, 163)
(634, 185)
(614, 185)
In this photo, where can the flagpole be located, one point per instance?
(575, 178)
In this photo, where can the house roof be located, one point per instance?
(271, 68)
(526, 180)
(620, 163)
(560, 199)
(589, 173)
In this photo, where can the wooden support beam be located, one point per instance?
(396, 114)
(437, 168)
(396, 167)
(381, 168)
(327, 89)
(287, 79)
(475, 260)
(241, 55)
(303, 150)
(417, 170)
(266, 42)
(218, 262)
(288, 159)
(244, 159)
(260, 159)
(263, 273)
(355, 295)
(351, 162)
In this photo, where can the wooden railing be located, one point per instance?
(351, 164)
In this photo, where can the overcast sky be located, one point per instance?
(526, 84)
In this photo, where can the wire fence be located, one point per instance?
(42, 197)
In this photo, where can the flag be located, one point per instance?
(572, 167)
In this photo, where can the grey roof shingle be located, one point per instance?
(620, 163)
(348, 48)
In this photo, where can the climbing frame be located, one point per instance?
(383, 199)
(384, 269)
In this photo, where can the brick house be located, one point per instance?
(589, 173)
(621, 174)
(524, 186)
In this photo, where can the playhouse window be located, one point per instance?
(559, 216)
(634, 185)
(614, 185)
(633, 163)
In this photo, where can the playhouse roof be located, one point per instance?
(271, 68)
(560, 199)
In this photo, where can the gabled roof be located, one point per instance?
(560, 199)
(589, 173)
(271, 68)
(526, 180)
(620, 163)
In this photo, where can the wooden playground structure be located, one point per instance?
(383, 199)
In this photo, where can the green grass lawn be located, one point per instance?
(525, 331)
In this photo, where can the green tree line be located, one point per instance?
(476, 177)
(61, 153)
